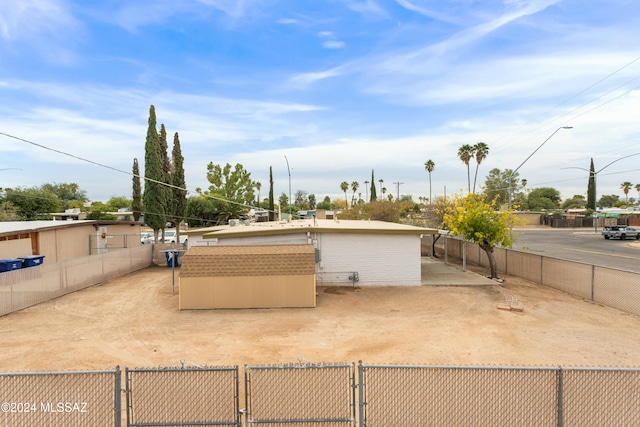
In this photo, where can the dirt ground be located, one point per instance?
(134, 321)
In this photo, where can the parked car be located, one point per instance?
(146, 237)
(170, 237)
(621, 232)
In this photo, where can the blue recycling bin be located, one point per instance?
(172, 257)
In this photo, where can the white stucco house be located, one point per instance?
(347, 252)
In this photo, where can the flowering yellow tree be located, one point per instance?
(480, 222)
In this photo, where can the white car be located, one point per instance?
(170, 237)
(146, 237)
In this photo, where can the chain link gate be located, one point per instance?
(301, 395)
(69, 399)
(184, 396)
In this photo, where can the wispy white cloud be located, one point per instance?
(47, 27)
(309, 78)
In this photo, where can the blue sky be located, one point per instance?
(339, 87)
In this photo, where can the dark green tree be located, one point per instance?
(608, 200)
(576, 202)
(136, 204)
(373, 188)
(312, 201)
(325, 203)
(232, 184)
(496, 185)
(272, 205)
(154, 196)
(543, 198)
(178, 185)
(201, 211)
(66, 193)
(33, 203)
(591, 187)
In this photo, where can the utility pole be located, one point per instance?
(398, 187)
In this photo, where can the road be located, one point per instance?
(582, 245)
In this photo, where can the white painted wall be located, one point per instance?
(379, 259)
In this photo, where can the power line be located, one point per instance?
(122, 171)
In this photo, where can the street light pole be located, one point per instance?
(530, 155)
(289, 170)
(595, 187)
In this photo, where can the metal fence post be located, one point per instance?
(593, 281)
(361, 402)
(118, 397)
(560, 397)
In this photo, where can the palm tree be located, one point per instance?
(481, 151)
(344, 186)
(381, 181)
(626, 186)
(366, 190)
(465, 153)
(354, 188)
(637, 187)
(258, 187)
(429, 166)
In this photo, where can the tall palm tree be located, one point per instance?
(429, 165)
(258, 187)
(465, 153)
(381, 181)
(637, 187)
(344, 186)
(366, 191)
(481, 152)
(626, 186)
(354, 188)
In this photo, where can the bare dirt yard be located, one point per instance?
(134, 321)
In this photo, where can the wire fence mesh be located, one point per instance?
(30, 286)
(616, 288)
(443, 396)
(65, 399)
(305, 395)
(325, 395)
(182, 396)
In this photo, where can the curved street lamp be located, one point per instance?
(595, 191)
(525, 161)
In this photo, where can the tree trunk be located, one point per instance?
(433, 245)
(492, 261)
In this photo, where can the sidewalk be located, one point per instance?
(436, 273)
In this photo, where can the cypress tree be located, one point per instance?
(154, 190)
(373, 188)
(591, 187)
(178, 185)
(136, 204)
(272, 213)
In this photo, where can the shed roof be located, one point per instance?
(250, 260)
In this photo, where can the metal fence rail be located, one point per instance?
(615, 288)
(30, 286)
(305, 395)
(65, 399)
(457, 396)
(326, 395)
(185, 396)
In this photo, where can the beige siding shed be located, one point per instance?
(257, 276)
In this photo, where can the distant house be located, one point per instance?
(63, 240)
(346, 252)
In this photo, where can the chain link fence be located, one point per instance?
(30, 286)
(65, 399)
(301, 395)
(615, 288)
(325, 395)
(454, 396)
(183, 396)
